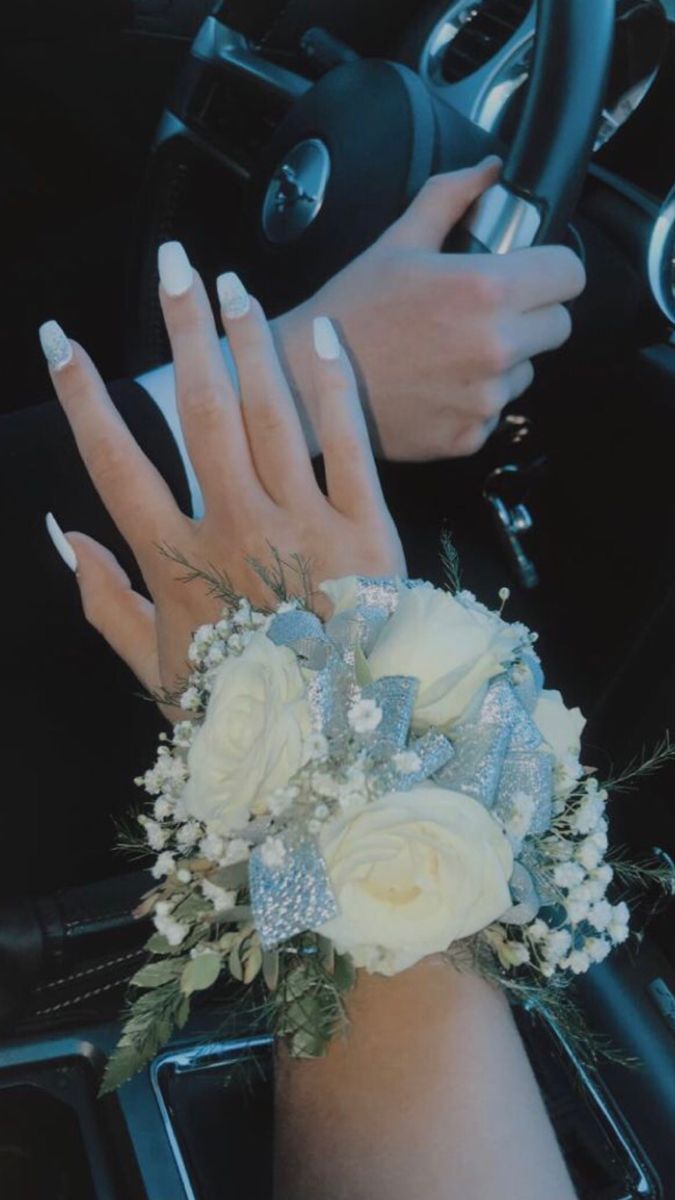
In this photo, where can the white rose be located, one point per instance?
(413, 872)
(453, 649)
(559, 726)
(251, 741)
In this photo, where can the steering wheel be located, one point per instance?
(259, 169)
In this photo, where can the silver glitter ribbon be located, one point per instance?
(292, 897)
(495, 756)
(500, 755)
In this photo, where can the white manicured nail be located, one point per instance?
(326, 341)
(175, 270)
(55, 345)
(61, 542)
(234, 299)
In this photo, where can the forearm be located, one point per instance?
(431, 1094)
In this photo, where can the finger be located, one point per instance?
(351, 475)
(535, 277)
(277, 443)
(207, 403)
(131, 488)
(518, 380)
(124, 618)
(536, 332)
(440, 204)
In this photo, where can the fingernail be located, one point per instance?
(175, 270)
(61, 542)
(326, 342)
(492, 160)
(232, 295)
(55, 345)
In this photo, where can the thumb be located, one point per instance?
(440, 204)
(122, 616)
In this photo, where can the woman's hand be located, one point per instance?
(253, 467)
(442, 342)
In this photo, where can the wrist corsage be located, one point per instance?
(361, 792)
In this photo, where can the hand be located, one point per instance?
(253, 467)
(442, 342)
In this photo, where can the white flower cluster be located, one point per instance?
(583, 926)
(249, 769)
(187, 851)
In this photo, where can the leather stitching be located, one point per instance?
(104, 966)
(106, 987)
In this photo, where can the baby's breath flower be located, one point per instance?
(568, 874)
(597, 948)
(164, 865)
(182, 734)
(408, 762)
(577, 962)
(364, 716)
(174, 931)
(162, 808)
(273, 852)
(157, 837)
(316, 747)
(220, 898)
(577, 909)
(190, 700)
(212, 847)
(588, 854)
(617, 927)
(188, 834)
(557, 944)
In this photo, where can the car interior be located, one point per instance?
(128, 123)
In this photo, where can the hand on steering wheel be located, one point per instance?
(448, 337)
(253, 467)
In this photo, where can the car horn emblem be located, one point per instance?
(296, 191)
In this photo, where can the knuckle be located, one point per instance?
(496, 353)
(203, 399)
(268, 421)
(570, 269)
(343, 446)
(489, 400)
(484, 290)
(433, 185)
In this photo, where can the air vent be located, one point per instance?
(470, 35)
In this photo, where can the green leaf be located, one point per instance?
(361, 668)
(270, 968)
(158, 944)
(253, 962)
(326, 954)
(344, 973)
(296, 983)
(190, 908)
(201, 972)
(307, 1043)
(233, 876)
(155, 974)
(123, 1064)
(182, 1012)
(234, 963)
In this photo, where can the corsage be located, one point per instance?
(361, 792)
